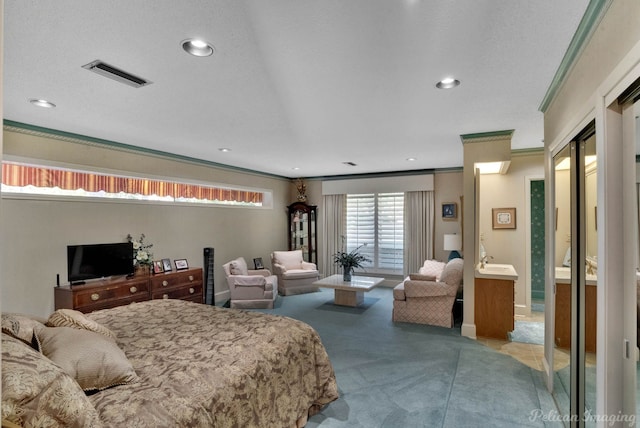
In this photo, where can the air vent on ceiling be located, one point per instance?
(106, 70)
(349, 163)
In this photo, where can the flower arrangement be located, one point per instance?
(141, 254)
(350, 260)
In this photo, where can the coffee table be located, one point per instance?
(349, 293)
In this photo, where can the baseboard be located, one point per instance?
(221, 296)
(522, 310)
(468, 330)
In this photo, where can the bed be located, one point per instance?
(177, 363)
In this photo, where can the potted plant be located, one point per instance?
(350, 260)
(142, 257)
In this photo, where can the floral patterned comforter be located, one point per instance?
(202, 366)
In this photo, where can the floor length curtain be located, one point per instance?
(418, 229)
(334, 230)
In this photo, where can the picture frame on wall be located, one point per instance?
(166, 265)
(449, 211)
(158, 267)
(181, 264)
(504, 218)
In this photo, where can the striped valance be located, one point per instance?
(20, 175)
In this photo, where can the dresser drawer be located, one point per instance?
(193, 293)
(111, 295)
(188, 278)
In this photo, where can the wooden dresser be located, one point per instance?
(184, 284)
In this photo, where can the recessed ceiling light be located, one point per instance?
(295, 168)
(224, 149)
(41, 103)
(447, 83)
(411, 159)
(197, 47)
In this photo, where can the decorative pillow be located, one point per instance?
(76, 319)
(21, 327)
(92, 359)
(418, 277)
(432, 267)
(36, 392)
(239, 267)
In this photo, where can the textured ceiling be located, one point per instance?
(292, 84)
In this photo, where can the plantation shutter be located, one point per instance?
(390, 231)
(376, 221)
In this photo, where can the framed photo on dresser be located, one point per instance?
(181, 264)
(166, 265)
(158, 267)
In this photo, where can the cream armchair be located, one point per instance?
(250, 288)
(295, 276)
(428, 298)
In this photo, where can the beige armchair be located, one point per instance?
(428, 298)
(250, 288)
(295, 276)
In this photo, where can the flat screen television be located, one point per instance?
(99, 261)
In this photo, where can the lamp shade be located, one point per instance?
(452, 242)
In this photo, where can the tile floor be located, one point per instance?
(530, 354)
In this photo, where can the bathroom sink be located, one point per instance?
(496, 271)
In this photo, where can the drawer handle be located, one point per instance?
(192, 290)
(165, 283)
(165, 296)
(133, 289)
(190, 277)
(95, 296)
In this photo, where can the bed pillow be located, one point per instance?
(76, 319)
(239, 267)
(92, 359)
(21, 327)
(36, 392)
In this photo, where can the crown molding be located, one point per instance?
(38, 131)
(590, 20)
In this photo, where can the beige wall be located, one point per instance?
(35, 233)
(510, 191)
(448, 188)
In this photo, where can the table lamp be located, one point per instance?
(453, 243)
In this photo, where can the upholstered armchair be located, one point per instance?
(295, 276)
(250, 288)
(428, 297)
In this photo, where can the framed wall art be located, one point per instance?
(504, 218)
(449, 211)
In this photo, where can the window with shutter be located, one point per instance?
(377, 221)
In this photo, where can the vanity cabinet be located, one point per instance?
(494, 308)
(562, 333)
(303, 230)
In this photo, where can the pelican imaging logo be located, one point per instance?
(608, 420)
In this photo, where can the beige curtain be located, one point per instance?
(419, 215)
(333, 224)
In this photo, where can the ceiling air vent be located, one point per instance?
(106, 70)
(349, 163)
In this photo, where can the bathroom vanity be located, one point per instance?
(494, 300)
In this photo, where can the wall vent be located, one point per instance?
(106, 70)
